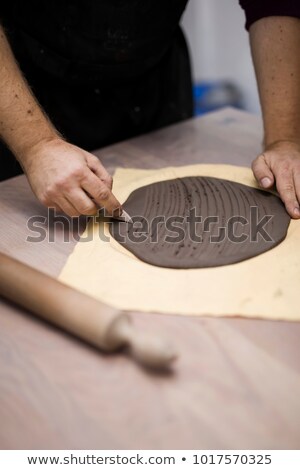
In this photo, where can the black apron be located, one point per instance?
(103, 70)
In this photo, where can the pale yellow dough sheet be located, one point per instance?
(267, 286)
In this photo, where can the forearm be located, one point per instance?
(23, 124)
(275, 45)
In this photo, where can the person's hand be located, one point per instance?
(280, 165)
(69, 179)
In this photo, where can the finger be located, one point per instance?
(286, 189)
(296, 178)
(101, 194)
(81, 202)
(96, 166)
(67, 207)
(262, 172)
(54, 207)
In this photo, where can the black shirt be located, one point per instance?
(106, 38)
(106, 70)
(257, 9)
(103, 70)
(94, 39)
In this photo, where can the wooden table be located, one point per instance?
(236, 384)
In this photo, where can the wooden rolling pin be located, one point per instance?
(90, 320)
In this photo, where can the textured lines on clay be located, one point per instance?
(196, 222)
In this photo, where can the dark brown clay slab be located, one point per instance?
(197, 222)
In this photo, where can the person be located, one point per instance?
(75, 77)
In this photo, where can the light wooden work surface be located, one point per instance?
(236, 383)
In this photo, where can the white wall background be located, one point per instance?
(219, 46)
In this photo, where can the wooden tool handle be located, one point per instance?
(77, 313)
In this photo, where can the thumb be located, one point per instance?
(262, 172)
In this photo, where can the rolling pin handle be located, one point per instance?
(149, 350)
(94, 322)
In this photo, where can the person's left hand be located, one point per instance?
(280, 164)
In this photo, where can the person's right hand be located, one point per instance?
(69, 179)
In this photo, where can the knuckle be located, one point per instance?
(88, 209)
(103, 193)
(285, 168)
(255, 162)
(288, 188)
(94, 159)
(77, 172)
(60, 184)
(74, 214)
(286, 196)
(284, 177)
(108, 180)
(71, 211)
(50, 193)
(44, 199)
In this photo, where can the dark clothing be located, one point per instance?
(106, 70)
(84, 42)
(257, 9)
(103, 70)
